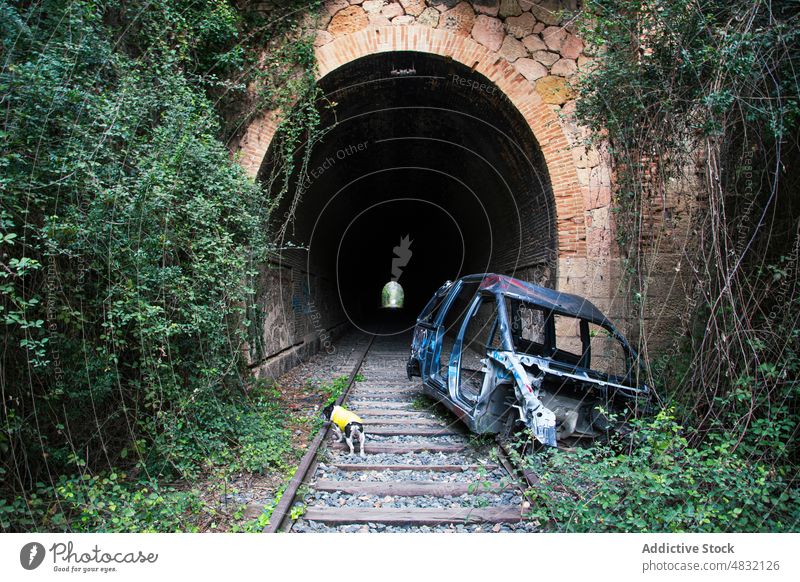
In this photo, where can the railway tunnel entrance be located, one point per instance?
(426, 172)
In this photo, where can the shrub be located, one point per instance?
(661, 484)
(128, 245)
(108, 503)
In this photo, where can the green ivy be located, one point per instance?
(129, 241)
(701, 101)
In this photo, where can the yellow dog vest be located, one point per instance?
(341, 417)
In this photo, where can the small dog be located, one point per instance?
(346, 426)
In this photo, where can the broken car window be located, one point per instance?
(452, 322)
(479, 332)
(608, 355)
(569, 345)
(431, 310)
(478, 335)
(528, 327)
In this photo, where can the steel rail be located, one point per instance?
(282, 511)
(281, 518)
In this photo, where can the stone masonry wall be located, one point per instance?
(530, 50)
(298, 315)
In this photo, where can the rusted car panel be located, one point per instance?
(500, 352)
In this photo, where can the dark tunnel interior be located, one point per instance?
(416, 147)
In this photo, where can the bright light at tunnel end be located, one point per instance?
(392, 296)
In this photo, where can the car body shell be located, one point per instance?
(552, 391)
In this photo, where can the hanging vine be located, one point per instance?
(701, 98)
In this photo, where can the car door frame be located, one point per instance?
(454, 365)
(430, 350)
(434, 354)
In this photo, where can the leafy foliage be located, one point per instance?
(128, 245)
(110, 503)
(246, 435)
(701, 101)
(662, 484)
(332, 390)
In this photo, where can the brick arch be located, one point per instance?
(543, 122)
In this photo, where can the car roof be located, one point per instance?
(550, 299)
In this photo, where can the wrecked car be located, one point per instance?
(502, 353)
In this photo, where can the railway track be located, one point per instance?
(422, 471)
